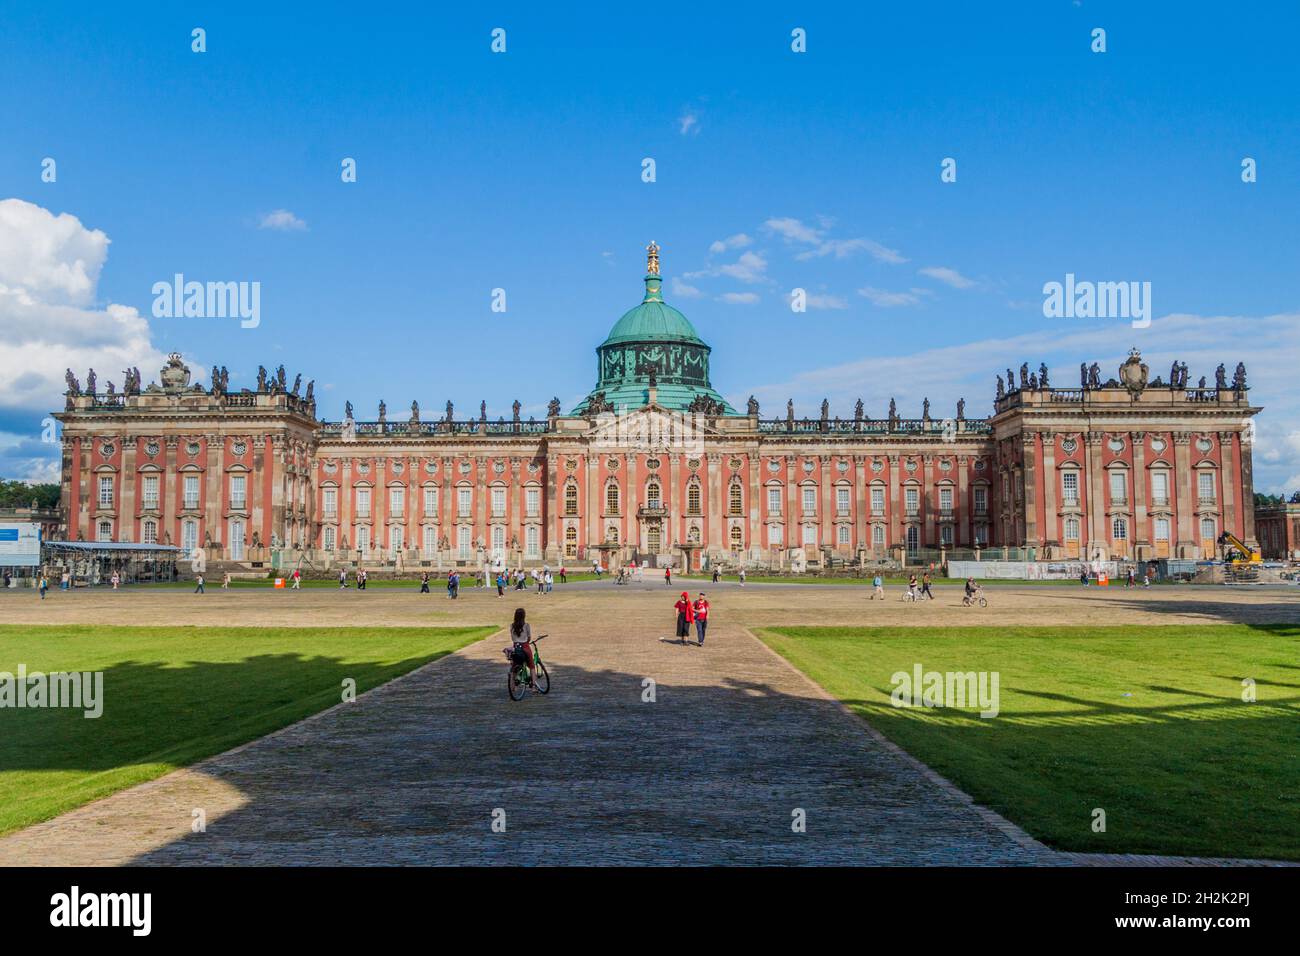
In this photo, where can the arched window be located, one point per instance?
(735, 500)
(611, 534)
(571, 542)
(329, 538)
(1119, 529)
(570, 499)
(736, 541)
(1071, 529)
(693, 534)
(611, 498)
(149, 532)
(652, 494)
(189, 535)
(693, 498)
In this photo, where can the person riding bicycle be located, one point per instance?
(970, 587)
(521, 637)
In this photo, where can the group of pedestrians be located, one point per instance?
(361, 575)
(692, 612)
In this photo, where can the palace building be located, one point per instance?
(655, 465)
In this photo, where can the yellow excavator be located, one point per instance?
(1235, 551)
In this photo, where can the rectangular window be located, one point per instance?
(363, 538)
(499, 543)
(981, 535)
(842, 501)
(1119, 529)
(190, 535)
(774, 535)
(430, 540)
(1159, 488)
(1071, 529)
(238, 492)
(330, 502)
(463, 543)
(1207, 529)
(774, 501)
(532, 545)
(981, 500)
(1070, 487)
(809, 501)
(105, 531)
(150, 491)
(464, 498)
(912, 499)
(106, 492)
(810, 536)
(945, 499)
(877, 500)
(191, 491)
(329, 538)
(396, 501)
(945, 535)
(396, 539)
(878, 536)
(363, 502)
(1162, 529)
(842, 535)
(498, 501)
(430, 502)
(1118, 486)
(1205, 486)
(150, 532)
(532, 501)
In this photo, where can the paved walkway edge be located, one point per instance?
(991, 817)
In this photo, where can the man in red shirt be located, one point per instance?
(701, 611)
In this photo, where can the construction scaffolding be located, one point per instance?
(92, 563)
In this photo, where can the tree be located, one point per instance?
(21, 494)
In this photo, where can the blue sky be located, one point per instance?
(522, 171)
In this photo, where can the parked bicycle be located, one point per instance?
(517, 680)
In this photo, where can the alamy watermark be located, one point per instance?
(208, 300)
(961, 689)
(1083, 299)
(78, 690)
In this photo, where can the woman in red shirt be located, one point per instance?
(685, 615)
(701, 609)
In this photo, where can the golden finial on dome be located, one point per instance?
(652, 258)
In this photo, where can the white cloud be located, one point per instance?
(54, 259)
(738, 241)
(793, 230)
(49, 272)
(688, 123)
(947, 276)
(797, 231)
(738, 298)
(282, 220)
(750, 267)
(684, 290)
(886, 299)
(1268, 345)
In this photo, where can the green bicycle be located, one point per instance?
(517, 681)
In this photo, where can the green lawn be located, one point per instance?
(173, 695)
(1146, 723)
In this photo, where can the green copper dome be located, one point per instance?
(652, 321)
(653, 339)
